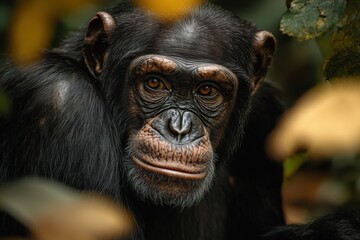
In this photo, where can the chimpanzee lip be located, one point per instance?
(171, 170)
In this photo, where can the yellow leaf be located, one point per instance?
(325, 121)
(168, 10)
(34, 24)
(53, 211)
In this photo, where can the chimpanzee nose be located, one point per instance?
(179, 126)
(180, 123)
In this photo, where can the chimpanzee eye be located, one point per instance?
(155, 83)
(207, 90)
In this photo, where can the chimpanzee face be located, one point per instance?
(183, 105)
(180, 85)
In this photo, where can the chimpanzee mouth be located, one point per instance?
(173, 170)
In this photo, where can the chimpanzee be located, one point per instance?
(169, 118)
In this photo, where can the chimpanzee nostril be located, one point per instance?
(180, 124)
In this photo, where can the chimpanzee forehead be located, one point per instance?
(191, 40)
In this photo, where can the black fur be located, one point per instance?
(340, 225)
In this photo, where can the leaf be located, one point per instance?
(306, 19)
(325, 121)
(168, 10)
(53, 211)
(35, 21)
(293, 163)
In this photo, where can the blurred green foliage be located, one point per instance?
(293, 164)
(306, 19)
(335, 24)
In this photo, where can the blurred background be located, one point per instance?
(311, 187)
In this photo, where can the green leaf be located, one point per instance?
(293, 163)
(306, 19)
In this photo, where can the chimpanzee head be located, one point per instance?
(180, 91)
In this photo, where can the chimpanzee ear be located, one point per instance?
(96, 42)
(264, 48)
